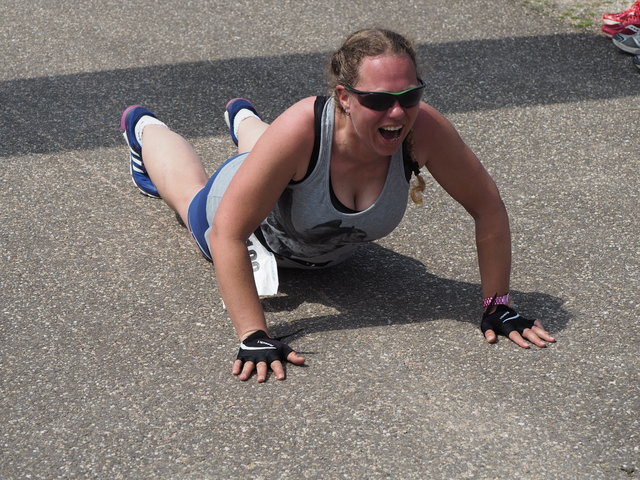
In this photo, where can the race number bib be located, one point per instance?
(265, 269)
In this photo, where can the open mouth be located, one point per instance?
(390, 133)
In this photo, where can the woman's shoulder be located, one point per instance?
(434, 134)
(429, 117)
(290, 137)
(301, 107)
(431, 126)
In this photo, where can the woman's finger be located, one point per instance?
(278, 369)
(261, 368)
(237, 367)
(516, 338)
(247, 370)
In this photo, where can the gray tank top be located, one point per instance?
(306, 230)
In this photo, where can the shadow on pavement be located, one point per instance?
(379, 287)
(81, 111)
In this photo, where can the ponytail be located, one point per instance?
(418, 185)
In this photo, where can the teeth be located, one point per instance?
(391, 129)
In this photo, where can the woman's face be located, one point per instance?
(384, 131)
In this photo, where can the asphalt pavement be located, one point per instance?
(116, 351)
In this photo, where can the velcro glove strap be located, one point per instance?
(504, 321)
(258, 347)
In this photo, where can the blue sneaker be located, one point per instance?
(233, 107)
(139, 174)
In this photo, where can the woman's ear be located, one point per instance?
(343, 97)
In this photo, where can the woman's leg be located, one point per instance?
(249, 131)
(173, 166)
(244, 122)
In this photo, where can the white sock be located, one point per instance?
(143, 122)
(243, 114)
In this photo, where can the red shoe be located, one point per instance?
(616, 18)
(630, 26)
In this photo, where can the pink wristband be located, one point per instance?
(503, 300)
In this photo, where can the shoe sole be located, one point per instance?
(226, 107)
(631, 29)
(626, 48)
(123, 119)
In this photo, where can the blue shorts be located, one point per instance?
(197, 213)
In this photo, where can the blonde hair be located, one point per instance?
(344, 64)
(344, 68)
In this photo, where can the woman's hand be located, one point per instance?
(260, 352)
(506, 321)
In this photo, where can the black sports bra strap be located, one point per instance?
(318, 109)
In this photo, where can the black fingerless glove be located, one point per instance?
(504, 321)
(258, 347)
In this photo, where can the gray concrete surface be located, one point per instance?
(115, 351)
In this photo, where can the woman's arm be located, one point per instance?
(457, 169)
(280, 155)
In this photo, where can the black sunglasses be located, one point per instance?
(381, 101)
